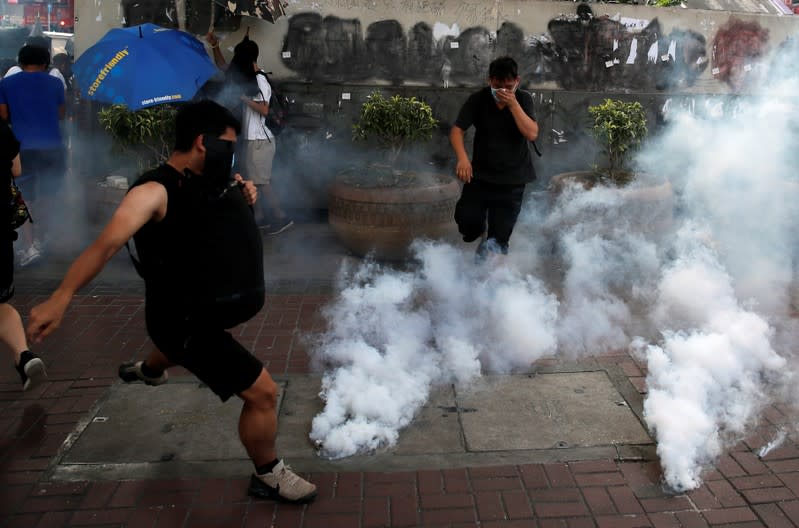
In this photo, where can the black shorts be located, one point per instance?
(208, 352)
(6, 270)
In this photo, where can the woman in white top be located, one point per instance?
(259, 142)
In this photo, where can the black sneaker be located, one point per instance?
(31, 370)
(130, 372)
(279, 226)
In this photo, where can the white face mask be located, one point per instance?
(495, 90)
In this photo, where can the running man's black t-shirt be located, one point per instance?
(501, 154)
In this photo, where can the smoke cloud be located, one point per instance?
(708, 376)
(691, 268)
(396, 334)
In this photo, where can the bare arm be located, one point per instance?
(16, 167)
(219, 59)
(4, 112)
(139, 206)
(259, 106)
(526, 125)
(463, 169)
(62, 111)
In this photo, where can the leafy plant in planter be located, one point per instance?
(620, 127)
(394, 123)
(146, 135)
(380, 209)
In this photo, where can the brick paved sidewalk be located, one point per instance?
(105, 327)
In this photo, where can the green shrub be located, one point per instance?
(394, 122)
(620, 127)
(146, 135)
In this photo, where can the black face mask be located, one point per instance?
(218, 159)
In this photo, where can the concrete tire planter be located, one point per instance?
(381, 216)
(653, 203)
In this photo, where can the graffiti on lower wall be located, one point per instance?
(578, 52)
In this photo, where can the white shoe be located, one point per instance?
(30, 256)
(282, 484)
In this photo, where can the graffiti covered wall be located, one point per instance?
(559, 45)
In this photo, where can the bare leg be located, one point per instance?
(12, 333)
(26, 235)
(156, 361)
(258, 420)
(267, 194)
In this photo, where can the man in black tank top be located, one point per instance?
(200, 254)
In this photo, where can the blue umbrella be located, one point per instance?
(143, 66)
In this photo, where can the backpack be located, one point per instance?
(277, 118)
(206, 254)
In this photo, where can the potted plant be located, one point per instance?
(143, 138)
(620, 128)
(394, 123)
(381, 206)
(143, 135)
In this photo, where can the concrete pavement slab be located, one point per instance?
(182, 429)
(558, 410)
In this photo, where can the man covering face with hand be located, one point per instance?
(501, 165)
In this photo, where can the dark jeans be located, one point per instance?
(497, 204)
(42, 172)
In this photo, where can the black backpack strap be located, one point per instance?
(137, 265)
(535, 147)
(171, 182)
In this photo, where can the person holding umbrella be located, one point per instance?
(248, 92)
(201, 256)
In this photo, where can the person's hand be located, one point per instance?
(248, 189)
(211, 39)
(506, 97)
(464, 170)
(45, 318)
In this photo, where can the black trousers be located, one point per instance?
(493, 204)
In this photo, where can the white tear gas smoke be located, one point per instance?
(724, 296)
(773, 444)
(396, 334)
(705, 289)
(707, 379)
(610, 267)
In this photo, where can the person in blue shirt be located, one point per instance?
(32, 101)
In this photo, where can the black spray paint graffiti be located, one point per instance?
(578, 53)
(593, 53)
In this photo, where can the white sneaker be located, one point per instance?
(282, 484)
(30, 256)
